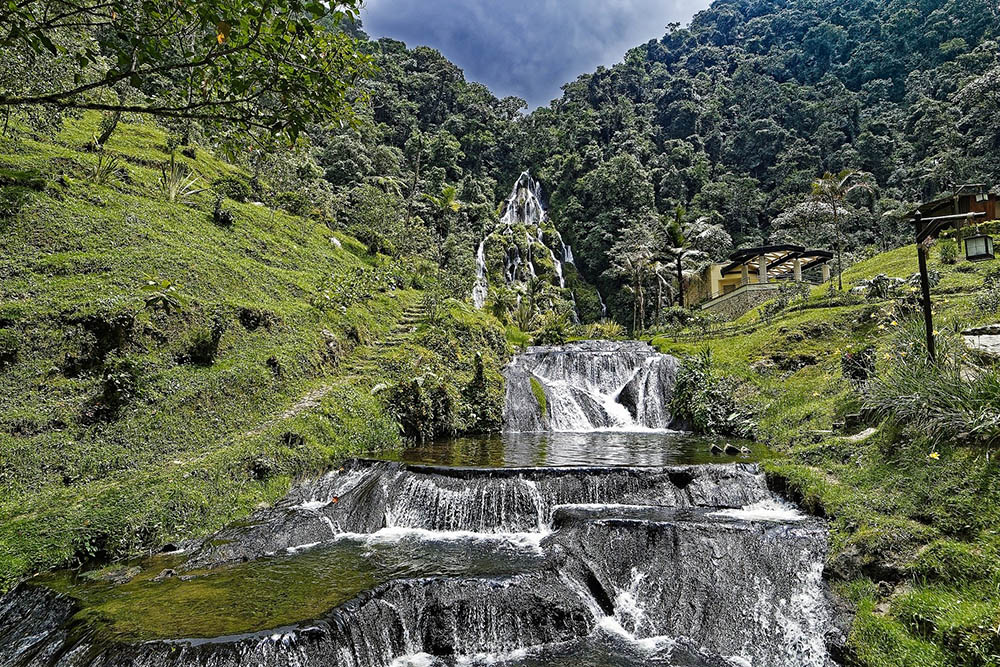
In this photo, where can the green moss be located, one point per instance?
(539, 391)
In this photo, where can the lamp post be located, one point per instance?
(925, 285)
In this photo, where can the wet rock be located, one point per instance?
(716, 449)
(165, 574)
(116, 576)
(732, 450)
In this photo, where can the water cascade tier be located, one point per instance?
(697, 565)
(588, 386)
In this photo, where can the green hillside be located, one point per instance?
(913, 495)
(163, 374)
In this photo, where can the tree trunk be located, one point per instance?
(840, 250)
(680, 280)
(109, 130)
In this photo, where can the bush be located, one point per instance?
(987, 299)
(936, 401)
(483, 400)
(424, 407)
(296, 203)
(555, 329)
(858, 365)
(949, 252)
(10, 346)
(605, 330)
(222, 216)
(706, 403)
(233, 187)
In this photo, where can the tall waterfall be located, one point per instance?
(523, 227)
(480, 288)
(588, 386)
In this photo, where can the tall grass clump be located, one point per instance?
(948, 401)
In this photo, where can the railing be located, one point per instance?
(744, 287)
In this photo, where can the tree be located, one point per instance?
(833, 190)
(631, 258)
(264, 68)
(679, 250)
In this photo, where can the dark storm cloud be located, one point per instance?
(527, 48)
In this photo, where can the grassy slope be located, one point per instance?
(199, 445)
(924, 527)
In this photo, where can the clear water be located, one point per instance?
(601, 448)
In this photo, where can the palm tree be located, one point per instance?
(833, 189)
(679, 251)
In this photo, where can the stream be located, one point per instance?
(589, 533)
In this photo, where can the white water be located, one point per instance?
(479, 291)
(591, 386)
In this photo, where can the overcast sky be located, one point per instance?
(527, 48)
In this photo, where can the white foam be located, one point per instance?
(765, 510)
(396, 534)
(415, 660)
(302, 547)
(312, 505)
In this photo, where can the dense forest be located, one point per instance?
(709, 137)
(723, 124)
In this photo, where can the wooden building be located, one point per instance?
(971, 198)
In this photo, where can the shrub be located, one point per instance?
(233, 187)
(424, 407)
(987, 299)
(177, 182)
(222, 216)
(936, 400)
(555, 329)
(949, 252)
(296, 203)
(483, 400)
(12, 200)
(10, 347)
(706, 403)
(605, 330)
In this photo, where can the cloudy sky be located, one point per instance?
(527, 48)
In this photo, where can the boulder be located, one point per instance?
(983, 341)
(732, 450)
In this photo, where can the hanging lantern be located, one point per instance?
(979, 248)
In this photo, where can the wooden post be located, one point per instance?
(925, 286)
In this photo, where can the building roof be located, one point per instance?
(965, 190)
(779, 259)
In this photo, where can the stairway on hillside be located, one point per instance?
(364, 359)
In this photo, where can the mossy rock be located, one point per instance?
(539, 391)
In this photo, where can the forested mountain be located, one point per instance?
(726, 122)
(735, 116)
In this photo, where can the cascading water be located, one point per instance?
(695, 565)
(479, 290)
(589, 386)
(523, 210)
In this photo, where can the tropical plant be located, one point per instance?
(833, 190)
(105, 167)
(177, 182)
(161, 294)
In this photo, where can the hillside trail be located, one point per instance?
(362, 362)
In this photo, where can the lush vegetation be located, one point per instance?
(911, 493)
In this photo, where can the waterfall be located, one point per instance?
(604, 308)
(589, 386)
(672, 565)
(567, 251)
(479, 290)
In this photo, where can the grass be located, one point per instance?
(914, 507)
(174, 448)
